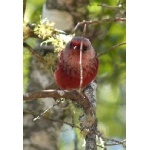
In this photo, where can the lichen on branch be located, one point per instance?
(46, 31)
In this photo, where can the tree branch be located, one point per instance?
(113, 47)
(24, 7)
(97, 22)
(111, 7)
(34, 53)
(115, 142)
(73, 95)
(55, 120)
(90, 92)
(111, 141)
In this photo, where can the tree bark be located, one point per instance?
(90, 92)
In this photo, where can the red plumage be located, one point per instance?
(67, 74)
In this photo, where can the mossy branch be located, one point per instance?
(73, 95)
(46, 31)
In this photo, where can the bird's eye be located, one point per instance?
(84, 48)
(70, 44)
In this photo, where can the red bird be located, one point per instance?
(67, 74)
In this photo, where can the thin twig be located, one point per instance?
(42, 114)
(34, 53)
(111, 7)
(70, 124)
(55, 120)
(81, 67)
(24, 7)
(114, 141)
(97, 22)
(80, 62)
(99, 146)
(112, 144)
(113, 47)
